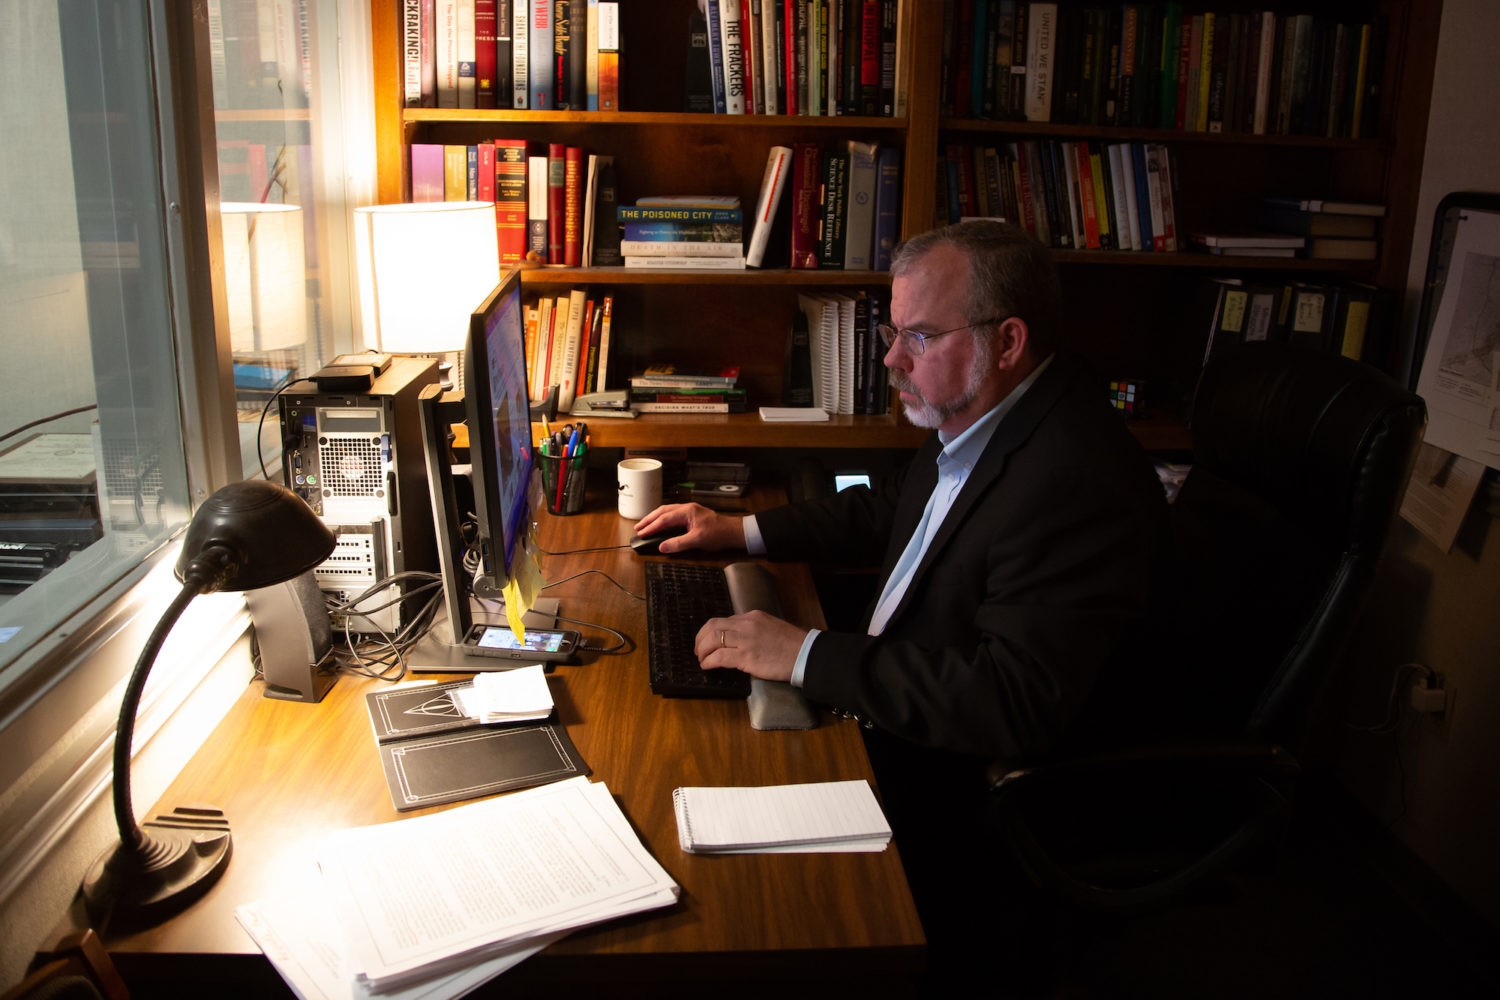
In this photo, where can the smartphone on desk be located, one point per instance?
(542, 645)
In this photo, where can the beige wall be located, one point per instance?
(1443, 610)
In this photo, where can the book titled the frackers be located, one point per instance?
(433, 753)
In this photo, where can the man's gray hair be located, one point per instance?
(1010, 274)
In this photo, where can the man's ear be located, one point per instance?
(1012, 338)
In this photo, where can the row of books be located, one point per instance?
(1344, 316)
(541, 55)
(1078, 195)
(1157, 65)
(668, 388)
(568, 345)
(558, 204)
(794, 57)
(260, 53)
(1297, 227)
(833, 207)
(834, 355)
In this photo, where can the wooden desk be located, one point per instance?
(288, 773)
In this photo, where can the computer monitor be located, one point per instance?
(499, 419)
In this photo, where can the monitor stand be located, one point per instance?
(438, 651)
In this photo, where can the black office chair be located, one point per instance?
(1300, 460)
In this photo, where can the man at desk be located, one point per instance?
(1017, 547)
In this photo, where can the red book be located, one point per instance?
(510, 199)
(572, 206)
(484, 54)
(1184, 59)
(484, 184)
(807, 177)
(790, 56)
(1024, 195)
(869, 58)
(557, 200)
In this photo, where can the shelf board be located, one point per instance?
(568, 276)
(1134, 258)
(747, 430)
(1117, 133)
(651, 118)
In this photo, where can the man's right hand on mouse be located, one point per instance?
(706, 529)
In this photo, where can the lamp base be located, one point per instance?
(182, 855)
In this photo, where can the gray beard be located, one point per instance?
(924, 413)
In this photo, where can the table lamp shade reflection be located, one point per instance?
(265, 272)
(423, 268)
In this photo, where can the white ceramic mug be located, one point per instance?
(639, 481)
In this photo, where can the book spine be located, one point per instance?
(1147, 239)
(687, 263)
(411, 53)
(484, 53)
(556, 200)
(445, 41)
(591, 58)
(567, 376)
(687, 407)
(1041, 28)
(562, 38)
(572, 206)
(887, 205)
(541, 84)
(859, 226)
(577, 56)
(536, 207)
(504, 53)
(1123, 239)
(484, 161)
(510, 199)
(806, 185)
(467, 92)
(604, 341)
(520, 54)
(679, 248)
(669, 232)
(755, 57)
(427, 177)
(834, 189)
(716, 56)
(455, 173)
(594, 318)
(606, 227)
(641, 213)
(731, 42)
(772, 185)
(609, 55)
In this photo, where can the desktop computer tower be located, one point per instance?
(355, 456)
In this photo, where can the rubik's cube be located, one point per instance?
(1128, 396)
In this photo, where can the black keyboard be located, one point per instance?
(680, 597)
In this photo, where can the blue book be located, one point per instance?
(716, 58)
(887, 204)
(1142, 194)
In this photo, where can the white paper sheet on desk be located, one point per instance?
(301, 939)
(507, 695)
(821, 816)
(492, 874)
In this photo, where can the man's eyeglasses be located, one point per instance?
(915, 341)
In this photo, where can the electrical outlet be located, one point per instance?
(1428, 700)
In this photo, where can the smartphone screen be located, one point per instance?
(501, 637)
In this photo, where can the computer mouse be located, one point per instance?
(651, 544)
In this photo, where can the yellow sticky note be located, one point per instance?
(524, 585)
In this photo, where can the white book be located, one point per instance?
(445, 45)
(591, 58)
(822, 341)
(793, 414)
(819, 816)
(688, 263)
(768, 79)
(772, 184)
(732, 43)
(1123, 236)
(1041, 38)
(567, 374)
(846, 357)
(536, 205)
(1132, 205)
(604, 333)
(1263, 72)
(679, 248)
(1071, 197)
(859, 212)
(467, 77)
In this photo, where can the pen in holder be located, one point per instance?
(564, 481)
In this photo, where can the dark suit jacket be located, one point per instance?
(1034, 581)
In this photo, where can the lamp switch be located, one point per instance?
(1428, 700)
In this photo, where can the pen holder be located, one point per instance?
(564, 481)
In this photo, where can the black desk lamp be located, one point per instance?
(247, 535)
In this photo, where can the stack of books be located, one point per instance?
(1248, 244)
(683, 231)
(1334, 230)
(669, 388)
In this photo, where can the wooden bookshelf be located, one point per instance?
(1125, 310)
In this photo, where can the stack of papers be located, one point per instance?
(506, 696)
(828, 816)
(500, 880)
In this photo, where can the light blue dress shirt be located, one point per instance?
(955, 462)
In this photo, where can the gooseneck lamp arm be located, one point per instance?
(245, 536)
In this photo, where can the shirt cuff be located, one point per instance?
(800, 666)
(754, 544)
